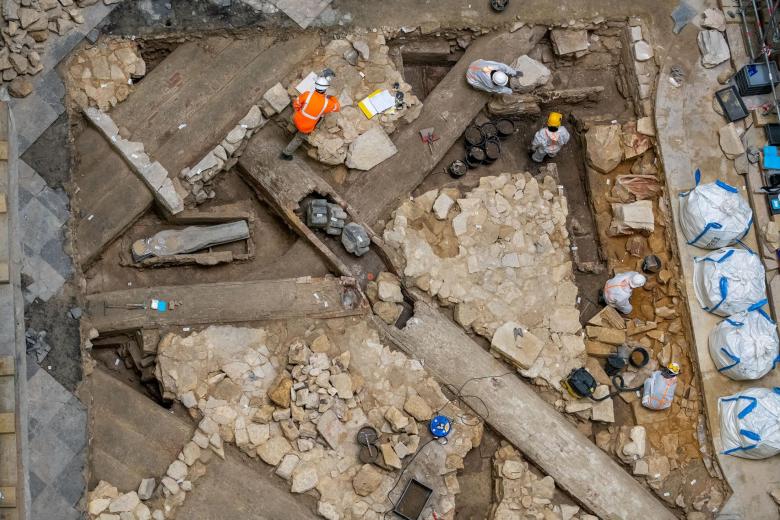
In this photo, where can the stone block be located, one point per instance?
(370, 149)
(277, 98)
(606, 335)
(567, 42)
(516, 344)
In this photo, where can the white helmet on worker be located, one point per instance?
(322, 84)
(638, 280)
(499, 78)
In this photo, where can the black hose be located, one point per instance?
(620, 385)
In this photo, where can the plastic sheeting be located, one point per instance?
(714, 215)
(728, 281)
(744, 346)
(750, 423)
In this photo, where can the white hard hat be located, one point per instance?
(499, 78)
(638, 280)
(322, 84)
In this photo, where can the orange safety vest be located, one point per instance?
(309, 109)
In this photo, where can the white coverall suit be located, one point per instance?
(546, 143)
(478, 76)
(617, 292)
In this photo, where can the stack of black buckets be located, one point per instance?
(483, 145)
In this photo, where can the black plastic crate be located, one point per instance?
(753, 79)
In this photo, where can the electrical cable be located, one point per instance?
(458, 392)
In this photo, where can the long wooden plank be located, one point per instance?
(248, 82)
(7, 496)
(110, 196)
(284, 184)
(229, 302)
(523, 418)
(449, 109)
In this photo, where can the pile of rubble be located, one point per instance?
(152, 500)
(496, 254)
(223, 157)
(28, 26)
(298, 403)
(362, 65)
(102, 75)
(521, 493)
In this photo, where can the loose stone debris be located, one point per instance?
(348, 136)
(494, 258)
(102, 75)
(298, 402)
(521, 493)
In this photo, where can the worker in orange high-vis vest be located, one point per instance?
(309, 108)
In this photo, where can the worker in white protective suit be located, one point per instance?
(549, 140)
(490, 76)
(658, 390)
(617, 290)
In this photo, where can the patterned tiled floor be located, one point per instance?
(43, 213)
(58, 447)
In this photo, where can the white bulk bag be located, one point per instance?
(714, 215)
(728, 281)
(750, 423)
(744, 346)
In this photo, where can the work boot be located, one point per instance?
(283, 156)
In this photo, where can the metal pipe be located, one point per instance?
(746, 31)
(766, 58)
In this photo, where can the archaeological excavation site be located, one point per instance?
(415, 260)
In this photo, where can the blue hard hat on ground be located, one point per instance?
(440, 426)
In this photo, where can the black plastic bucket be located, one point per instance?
(473, 137)
(458, 169)
(505, 128)
(492, 150)
(475, 156)
(489, 130)
(639, 357)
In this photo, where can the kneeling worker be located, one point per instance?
(309, 108)
(490, 76)
(617, 290)
(548, 141)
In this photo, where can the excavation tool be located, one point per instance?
(102, 306)
(581, 384)
(428, 137)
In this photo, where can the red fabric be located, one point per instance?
(314, 109)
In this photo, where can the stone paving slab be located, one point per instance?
(58, 447)
(302, 12)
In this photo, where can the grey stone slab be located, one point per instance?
(33, 115)
(38, 225)
(45, 396)
(57, 201)
(49, 455)
(50, 504)
(54, 255)
(37, 486)
(29, 180)
(71, 483)
(70, 424)
(302, 12)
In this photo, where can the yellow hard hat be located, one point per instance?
(674, 368)
(554, 119)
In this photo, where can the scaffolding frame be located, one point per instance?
(764, 39)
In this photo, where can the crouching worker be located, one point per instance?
(658, 392)
(490, 76)
(617, 290)
(309, 108)
(548, 141)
